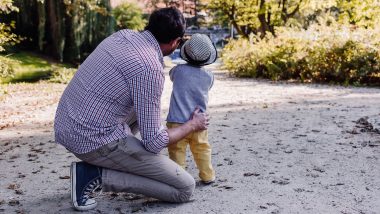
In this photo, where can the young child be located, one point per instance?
(191, 83)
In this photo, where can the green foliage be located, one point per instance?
(62, 74)
(317, 55)
(87, 23)
(67, 30)
(6, 67)
(26, 67)
(358, 13)
(258, 16)
(80, 7)
(261, 16)
(90, 22)
(6, 35)
(361, 13)
(130, 16)
(6, 6)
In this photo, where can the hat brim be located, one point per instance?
(212, 59)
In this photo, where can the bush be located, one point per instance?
(316, 55)
(6, 67)
(62, 74)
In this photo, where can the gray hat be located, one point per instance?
(199, 50)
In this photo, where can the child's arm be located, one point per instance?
(171, 73)
(212, 80)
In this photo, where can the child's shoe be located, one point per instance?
(208, 182)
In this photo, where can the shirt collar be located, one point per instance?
(152, 40)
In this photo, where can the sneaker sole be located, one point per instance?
(73, 170)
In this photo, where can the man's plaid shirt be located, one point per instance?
(119, 84)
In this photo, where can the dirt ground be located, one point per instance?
(277, 148)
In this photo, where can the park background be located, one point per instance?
(330, 41)
(295, 106)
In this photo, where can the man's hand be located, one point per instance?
(199, 120)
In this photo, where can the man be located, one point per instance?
(116, 91)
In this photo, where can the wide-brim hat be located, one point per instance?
(199, 50)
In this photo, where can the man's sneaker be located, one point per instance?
(85, 179)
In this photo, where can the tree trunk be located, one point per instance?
(264, 27)
(56, 31)
(41, 24)
(64, 32)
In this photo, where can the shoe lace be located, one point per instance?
(91, 188)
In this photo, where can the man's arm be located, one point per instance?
(146, 92)
(146, 89)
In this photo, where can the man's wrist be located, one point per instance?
(177, 133)
(191, 125)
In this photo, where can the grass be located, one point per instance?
(29, 67)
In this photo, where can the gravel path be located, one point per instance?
(277, 148)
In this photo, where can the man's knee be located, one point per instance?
(185, 193)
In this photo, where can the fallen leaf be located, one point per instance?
(247, 174)
(13, 186)
(13, 202)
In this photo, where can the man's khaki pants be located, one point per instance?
(200, 148)
(128, 167)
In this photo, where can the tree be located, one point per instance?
(129, 16)
(7, 38)
(87, 23)
(202, 14)
(358, 13)
(65, 29)
(6, 35)
(361, 13)
(256, 16)
(262, 16)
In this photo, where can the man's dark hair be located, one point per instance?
(166, 24)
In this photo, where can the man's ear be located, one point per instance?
(175, 42)
(168, 48)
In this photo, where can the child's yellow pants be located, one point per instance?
(200, 148)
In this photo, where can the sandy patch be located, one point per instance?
(277, 148)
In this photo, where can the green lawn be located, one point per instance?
(29, 67)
